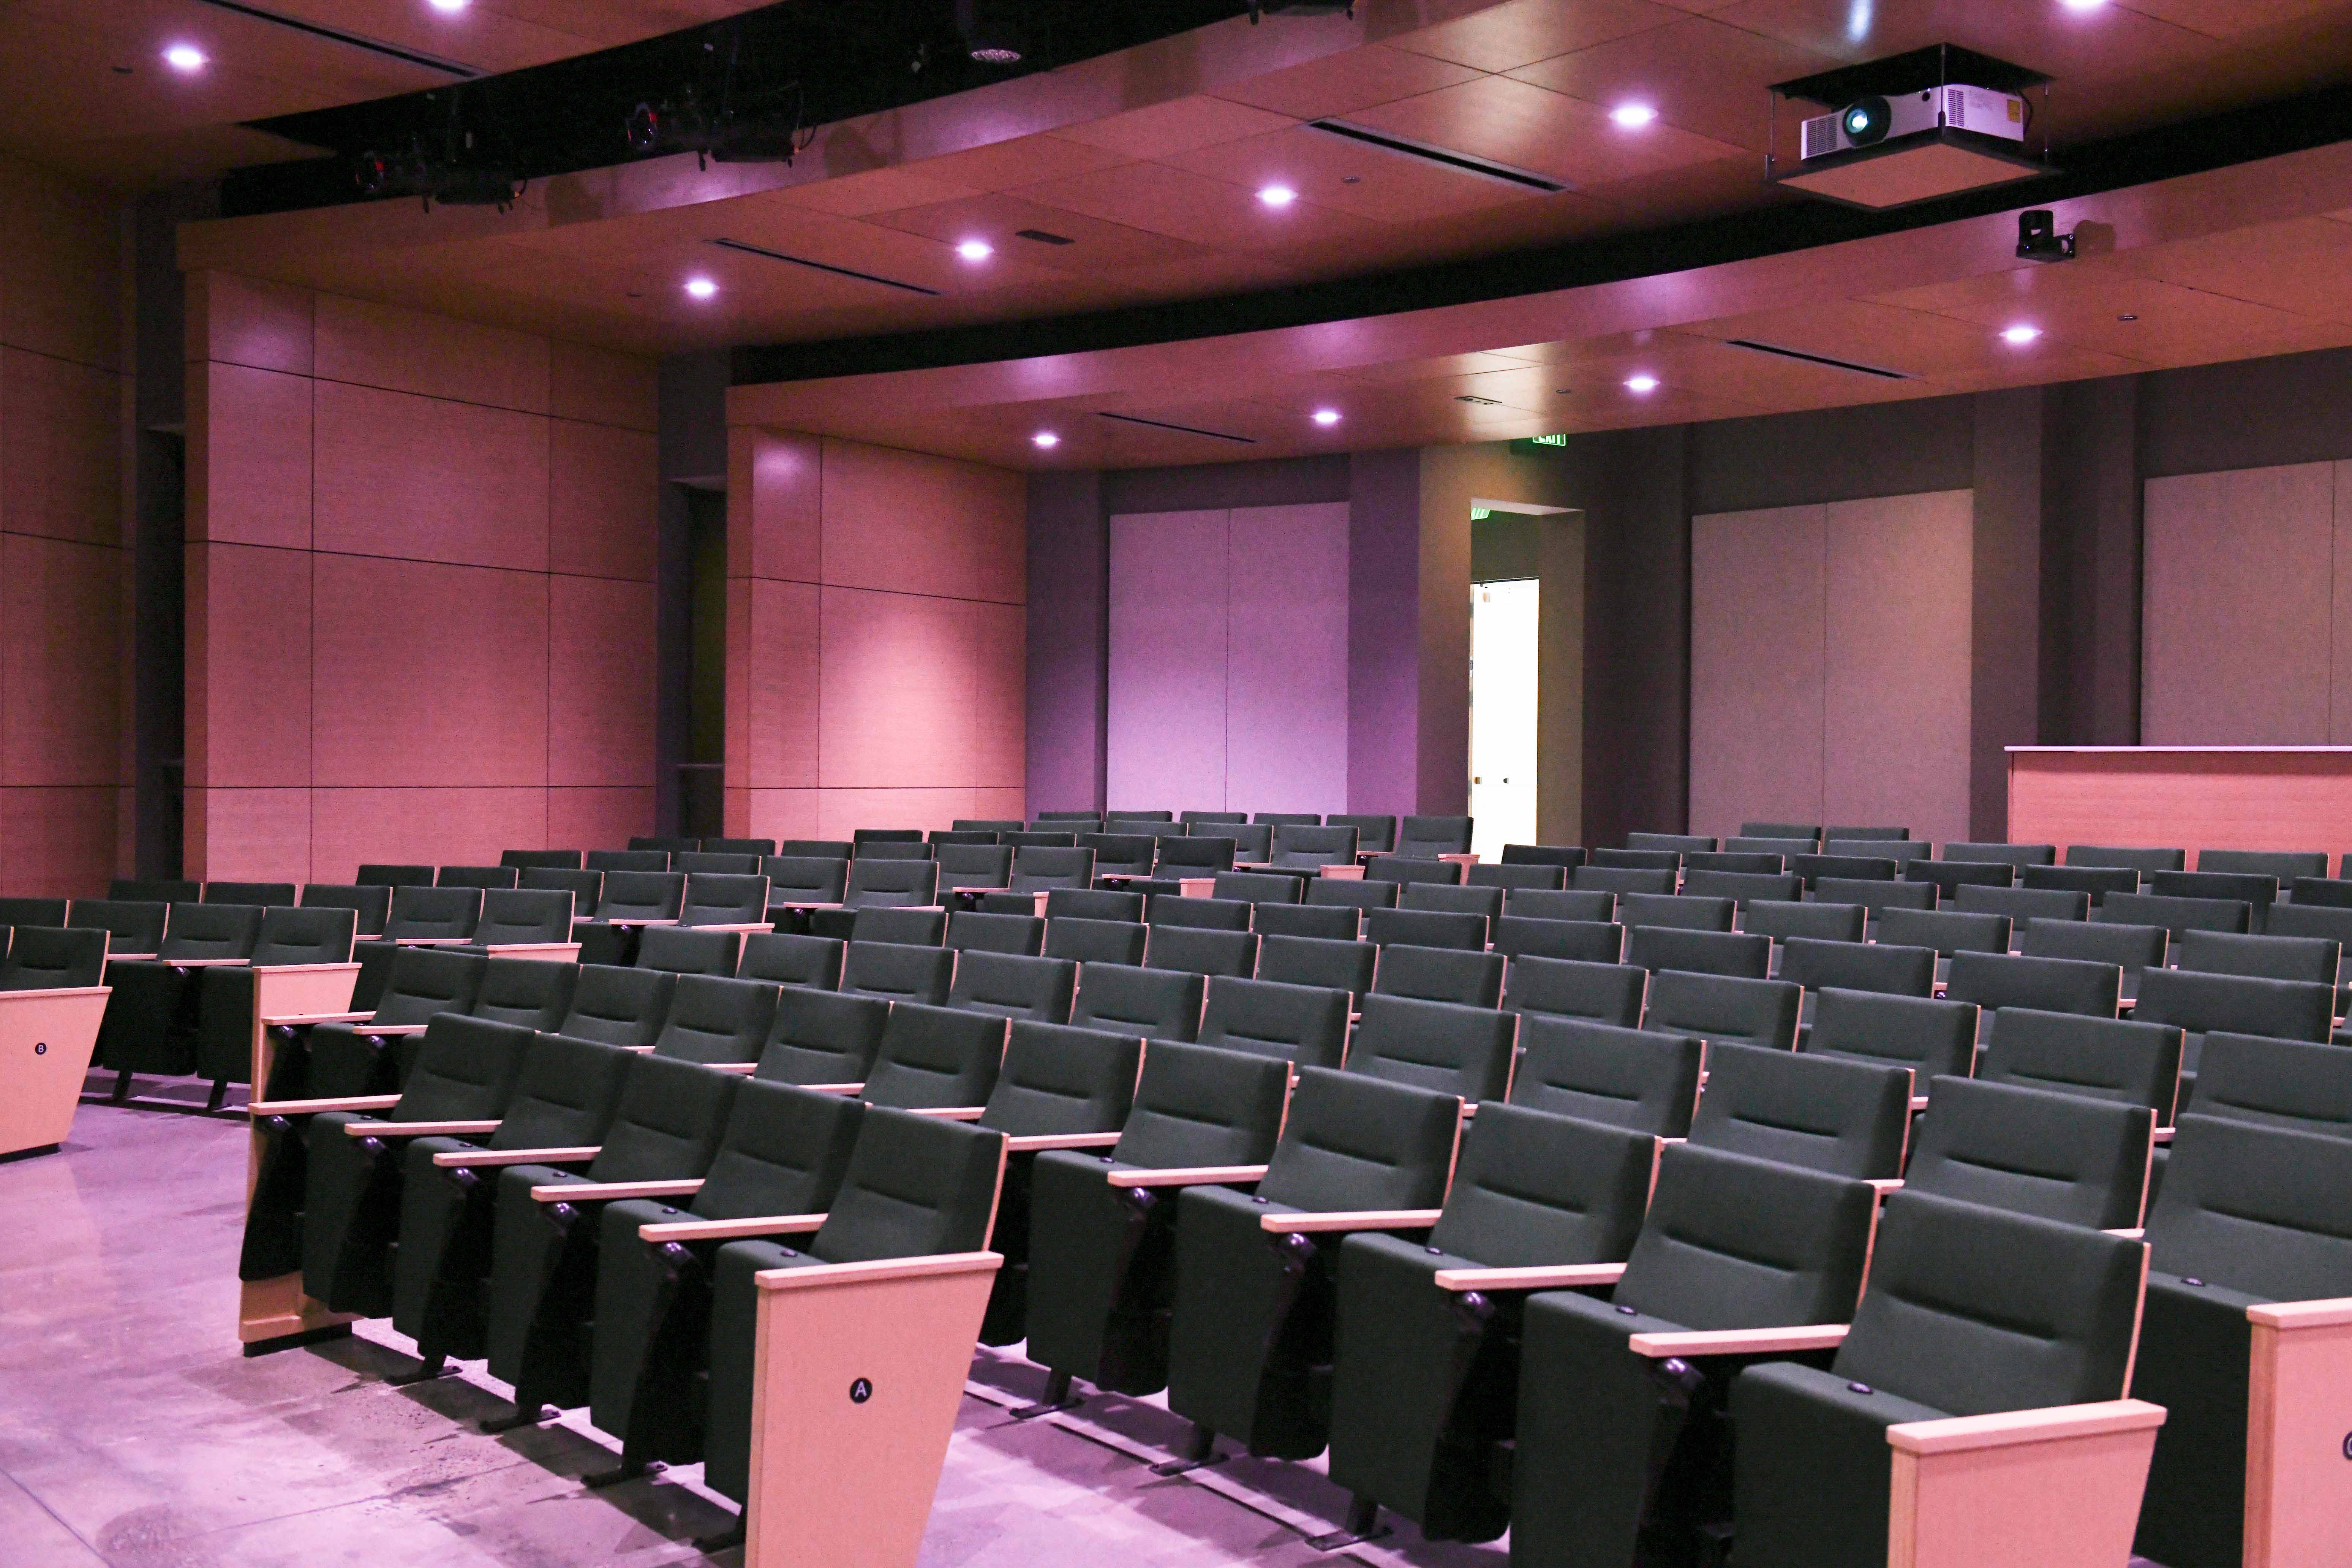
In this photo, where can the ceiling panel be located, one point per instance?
(1339, 84)
(1353, 177)
(1176, 202)
(1523, 125)
(2227, 18)
(1522, 32)
(1700, 74)
(1179, 126)
(2305, 265)
(999, 218)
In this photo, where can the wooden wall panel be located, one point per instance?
(433, 356)
(426, 479)
(601, 486)
(2236, 617)
(60, 448)
(441, 826)
(999, 665)
(1287, 657)
(1895, 702)
(773, 513)
(57, 842)
(600, 388)
(841, 812)
(594, 819)
(601, 685)
(248, 658)
(253, 427)
(426, 675)
(1167, 672)
(60, 668)
(912, 523)
(895, 702)
(243, 321)
(778, 814)
(1758, 587)
(61, 294)
(2339, 704)
(253, 835)
(776, 678)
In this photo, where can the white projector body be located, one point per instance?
(1974, 109)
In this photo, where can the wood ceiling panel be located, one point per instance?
(1179, 126)
(1911, 342)
(1024, 161)
(1503, 38)
(1193, 207)
(1341, 83)
(2304, 266)
(1518, 123)
(508, 34)
(1720, 186)
(875, 191)
(1700, 74)
(2077, 47)
(1353, 177)
(998, 218)
(2228, 18)
(2169, 325)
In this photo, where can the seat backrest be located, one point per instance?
(1257, 886)
(1569, 988)
(542, 859)
(1440, 975)
(1298, 845)
(817, 848)
(1949, 876)
(875, 882)
(1595, 942)
(1721, 1007)
(668, 1122)
(1448, 898)
(1843, 867)
(1680, 843)
(822, 1037)
(806, 879)
(1599, 1072)
(2012, 855)
(1208, 915)
(1158, 1003)
(1335, 922)
(897, 972)
(2281, 865)
(2244, 1005)
(975, 930)
(2180, 916)
(1997, 980)
(2270, 957)
(253, 893)
(2022, 904)
(318, 935)
(586, 888)
(466, 1071)
(2331, 923)
(1567, 857)
(1533, 1188)
(565, 1094)
(1947, 930)
(1927, 1035)
(1876, 897)
(708, 863)
(35, 911)
(684, 950)
(724, 899)
(1973, 1310)
(1318, 961)
(1731, 1242)
(1405, 869)
(1745, 886)
(1466, 1052)
(790, 958)
(2142, 860)
(1189, 817)
(529, 992)
(974, 865)
(932, 1057)
(436, 913)
(2130, 948)
(1424, 838)
(1606, 879)
(755, 848)
(53, 957)
(374, 875)
(2133, 1061)
(2094, 882)
(1636, 860)
(894, 847)
(145, 890)
(912, 927)
(1425, 927)
(1120, 854)
(2059, 1156)
(1286, 820)
(1014, 986)
(1855, 966)
(1095, 941)
(1195, 1105)
(916, 1185)
(1498, 874)
(1353, 1141)
(1375, 834)
(1198, 952)
(1832, 1113)
(514, 915)
(476, 876)
(1785, 843)
(618, 1007)
(1569, 904)
(638, 895)
(1057, 836)
(2257, 892)
(1037, 868)
(1740, 863)
(666, 845)
(860, 837)
(610, 860)
(210, 931)
(716, 1018)
(131, 927)
(2277, 1083)
(1699, 952)
(1195, 857)
(1878, 834)
(1302, 1023)
(424, 981)
(1676, 912)
(1093, 904)
(2333, 892)
(1805, 830)
(1056, 1078)
(2266, 1211)
(783, 1151)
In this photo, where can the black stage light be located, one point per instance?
(991, 30)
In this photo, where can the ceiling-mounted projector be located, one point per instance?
(1932, 122)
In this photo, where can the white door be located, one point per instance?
(1503, 641)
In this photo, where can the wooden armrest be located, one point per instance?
(1029, 1141)
(833, 1087)
(613, 1192)
(741, 1069)
(52, 995)
(1342, 873)
(949, 1112)
(1187, 1176)
(561, 951)
(388, 1029)
(189, 963)
(1883, 1185)
(2162, 1135)
(428, 941)
(751, 926)
(878, 1270)
(631, 921)
(129, 958)
(1918, 1103)
(1350, 1219)
(731, 1229)
(418, 1129)
(1741, 1342)
(313, 1106)
(2012, 1428)
(455, 1158)
(2291, 1315)
(2130, 1233)
(789, 904)
(297, 1020)
(1561, 1277)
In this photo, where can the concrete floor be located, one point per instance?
(134, 1434)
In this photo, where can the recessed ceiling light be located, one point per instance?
(185, 57)
(975, 250)
(1045, 438)
(2126, 316)
(2019, 336)
(702, 288)
(1276, 195)
(1327, 416)
(1632, 116)
(2084, 4)
(451, 7)
(1642, 384)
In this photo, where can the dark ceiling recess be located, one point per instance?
(804, 64)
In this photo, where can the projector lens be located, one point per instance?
(1866, 122)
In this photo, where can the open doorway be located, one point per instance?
(1505, 635)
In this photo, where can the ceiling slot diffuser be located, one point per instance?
(1186, 429)
(1464, 162)
(1752, 346)
(1042, 236)
(737, 244)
